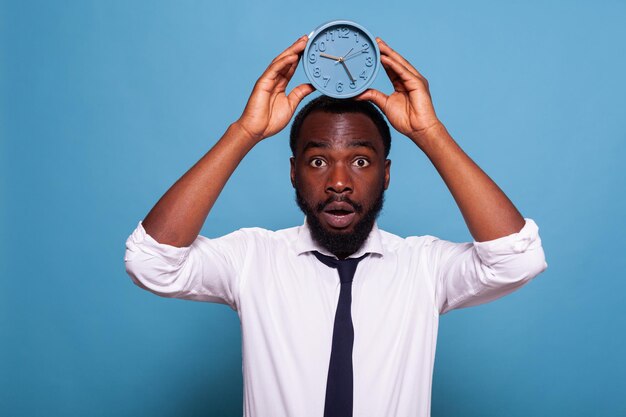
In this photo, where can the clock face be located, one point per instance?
(341, 59)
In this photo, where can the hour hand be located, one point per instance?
(336, 58)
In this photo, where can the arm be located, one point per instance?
(487, 211)
(178, 216)
(507, 251)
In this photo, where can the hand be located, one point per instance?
(269, 108)
(409, 108)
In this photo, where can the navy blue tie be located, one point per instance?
(339, 385)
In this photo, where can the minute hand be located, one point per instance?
(353, 54)
(347, 70)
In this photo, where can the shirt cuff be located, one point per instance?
(140, 240)
(493, 251)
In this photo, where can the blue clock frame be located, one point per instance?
(341, 59)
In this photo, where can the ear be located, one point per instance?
(292, 162)
(387, 171)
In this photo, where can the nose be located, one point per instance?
(339, 180)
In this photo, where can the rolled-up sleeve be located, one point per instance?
(207, 270)
(468, 274)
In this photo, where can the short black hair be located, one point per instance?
(339, 106)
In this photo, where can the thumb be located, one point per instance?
(298, 93)
(375, 96)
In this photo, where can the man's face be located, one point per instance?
(340, 173)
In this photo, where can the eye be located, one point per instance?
(317, 163)
(361, 162)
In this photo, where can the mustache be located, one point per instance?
(358, 208)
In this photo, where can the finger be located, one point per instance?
(296, 48)
(277, 69)
(274, 75)
(282, 83)
(298, 93)
(409, 80)
(387, 50)
(397, 83)
(375, 96)
(288, 58)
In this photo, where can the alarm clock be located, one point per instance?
(341, 59)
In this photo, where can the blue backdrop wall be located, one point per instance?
(105, 104)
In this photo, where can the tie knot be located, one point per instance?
(345, 267)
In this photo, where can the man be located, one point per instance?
(313, 344)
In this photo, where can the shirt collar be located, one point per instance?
(305, 243)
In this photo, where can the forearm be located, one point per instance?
(488, 212)
(178, 216)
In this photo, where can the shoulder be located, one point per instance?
(393, 242)
(256, 236)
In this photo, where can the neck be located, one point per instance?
(342, 255)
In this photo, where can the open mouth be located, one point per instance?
(338, 214)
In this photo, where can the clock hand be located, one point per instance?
(347, 70)
(352, 55)
(336, 58)
(343, 58)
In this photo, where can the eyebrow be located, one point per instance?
(356, 144)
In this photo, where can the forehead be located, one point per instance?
(339, 130)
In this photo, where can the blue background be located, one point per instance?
(105, 104)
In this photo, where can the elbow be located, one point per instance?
(533, 263)
(155, 267)
(515, 271)
(522, 268)
(137, 275)
(515, 259)
(153, 274)
(539, 264)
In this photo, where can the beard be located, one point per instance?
(341, 244)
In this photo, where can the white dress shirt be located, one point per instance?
(286, 301)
